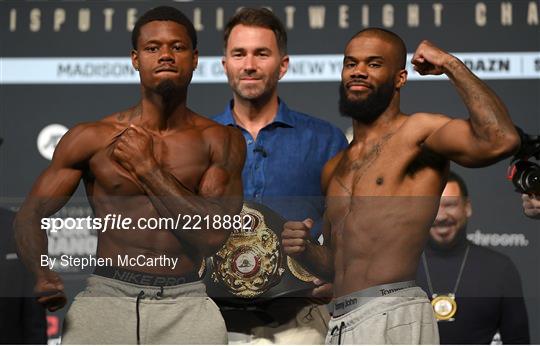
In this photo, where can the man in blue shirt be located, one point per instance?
(286, 151)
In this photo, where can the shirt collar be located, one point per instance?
(283, 115)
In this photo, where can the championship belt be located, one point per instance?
(251, 264)
(444, 307)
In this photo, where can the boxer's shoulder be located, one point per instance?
(122, 118)
(416, 127)
(424, 120)
(216, 133)
(85, 139)
(206, 124)
(329, 169)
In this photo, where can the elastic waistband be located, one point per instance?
(144, 279)
(348, 303)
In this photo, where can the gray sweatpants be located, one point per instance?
(402, 317)
(108, 312)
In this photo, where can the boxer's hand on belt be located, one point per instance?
(49, 289)
(323, 290)
(531, 205)
(296, 236)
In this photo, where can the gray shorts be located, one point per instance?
(110, 311)
(400, 316)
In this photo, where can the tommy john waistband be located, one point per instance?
(345, 304)
(145, 279)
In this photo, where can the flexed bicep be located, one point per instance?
(456, 140)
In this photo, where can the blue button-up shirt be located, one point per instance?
(284, 164)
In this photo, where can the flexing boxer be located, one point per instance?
(157, 159)
(383, 191)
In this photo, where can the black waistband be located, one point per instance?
(145, 279)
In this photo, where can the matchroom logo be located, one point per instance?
(48, 138)
(496, 239)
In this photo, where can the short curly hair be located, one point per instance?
(164, 13)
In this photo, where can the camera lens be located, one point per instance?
(532, 180)
(526, 177)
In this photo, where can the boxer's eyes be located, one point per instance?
(178, 47)
(151, 49)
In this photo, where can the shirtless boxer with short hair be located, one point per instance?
(383, 191)
(157, 159)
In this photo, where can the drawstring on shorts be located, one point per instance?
(139, 296)
(340, 329)
(309, 317)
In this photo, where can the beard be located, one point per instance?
(171, 92)
(368, 110)
(460, 238)
(168, 90)
(255, 92)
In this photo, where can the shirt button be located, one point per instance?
(250, 141)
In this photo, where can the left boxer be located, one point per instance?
(157, 159)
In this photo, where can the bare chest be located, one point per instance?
(371, 169)
(184, 158)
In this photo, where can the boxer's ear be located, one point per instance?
(401, 78)
(195, 61)
(135, 59)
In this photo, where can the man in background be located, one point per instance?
(286, 151)
(475, 291)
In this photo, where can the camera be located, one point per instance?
(524, 174)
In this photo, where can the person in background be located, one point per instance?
(286, 152)
(531, 205)
(475, 291)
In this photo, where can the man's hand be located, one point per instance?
(324, 290)
(531, 205)
(49, 289)
(430, 60)
(296, 236)
(134, 149)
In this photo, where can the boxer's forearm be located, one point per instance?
(31, 240)
(489, 118)
(318, 260)
(171, 198)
